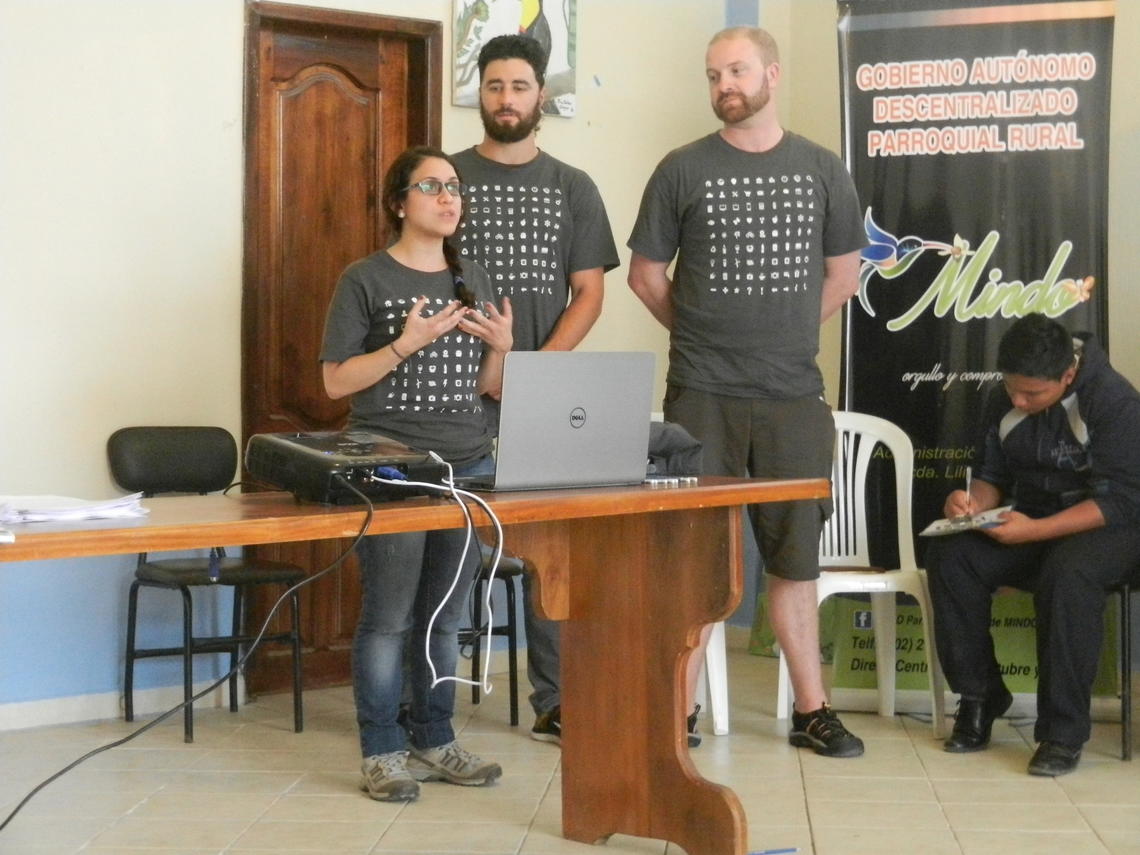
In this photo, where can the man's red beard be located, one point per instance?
(734, 107)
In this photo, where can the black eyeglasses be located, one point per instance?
(433, 186)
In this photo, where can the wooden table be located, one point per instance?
(634, 572)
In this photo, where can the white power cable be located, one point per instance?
(458, 495)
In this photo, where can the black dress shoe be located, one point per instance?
(694, 734)
(1052, 759)
(974, 721)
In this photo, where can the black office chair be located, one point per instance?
(1124, 591)
(155, 460)
(510, 568)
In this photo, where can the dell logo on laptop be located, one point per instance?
(577, 417)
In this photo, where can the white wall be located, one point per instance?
(120, 229)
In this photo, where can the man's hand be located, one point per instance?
(1015, 527)
(649, 280)
(1018, 528)
(958, 504)
(983, 496)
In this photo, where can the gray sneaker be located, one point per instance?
(453, 764)
(386, 779)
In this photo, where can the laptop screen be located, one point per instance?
(574, 419)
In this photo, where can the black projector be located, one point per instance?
(320, 466)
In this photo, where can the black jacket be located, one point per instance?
(1085, 446)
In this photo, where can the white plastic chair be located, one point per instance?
(844, 545)
(712, 687)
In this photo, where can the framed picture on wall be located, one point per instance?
(551, 22)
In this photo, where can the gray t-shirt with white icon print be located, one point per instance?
(531, 225)
(429, 401)
(751, 232)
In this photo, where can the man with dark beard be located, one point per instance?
(767, 231)
(540, 229)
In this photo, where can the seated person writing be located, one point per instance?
(1060, 445)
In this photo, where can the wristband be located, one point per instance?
(399, 355)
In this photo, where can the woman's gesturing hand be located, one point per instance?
(494, 327)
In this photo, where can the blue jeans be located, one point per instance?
(404, 577)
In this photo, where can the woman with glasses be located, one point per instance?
(414, 336)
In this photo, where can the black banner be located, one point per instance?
(978, 139)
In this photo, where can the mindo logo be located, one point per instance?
(577, 417)
(959, 286)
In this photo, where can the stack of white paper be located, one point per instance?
(24, 509)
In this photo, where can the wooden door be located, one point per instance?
(331, 98)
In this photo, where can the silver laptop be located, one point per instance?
(572, 419)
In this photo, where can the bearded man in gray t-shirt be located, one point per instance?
(540, 229)
(766, 230)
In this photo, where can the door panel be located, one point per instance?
(331, 98)
(326, 218)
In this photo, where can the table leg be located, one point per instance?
(639, 589)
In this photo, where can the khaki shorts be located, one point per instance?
(766, 439)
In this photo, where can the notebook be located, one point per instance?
(572, 419)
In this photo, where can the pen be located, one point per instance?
(774, 852)
(969, 478)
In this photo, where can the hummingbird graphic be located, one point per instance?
(889, 256)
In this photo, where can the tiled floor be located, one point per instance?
(250, 785)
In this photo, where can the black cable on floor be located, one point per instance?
(237, 667)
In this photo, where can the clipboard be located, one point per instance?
(986, 519)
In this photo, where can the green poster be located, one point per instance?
(1013, 625)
